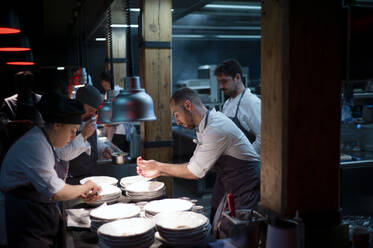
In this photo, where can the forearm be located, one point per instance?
(72, 150)
(69, 192)
(175, 170)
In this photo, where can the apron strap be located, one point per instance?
(207, 118)
(239, 102)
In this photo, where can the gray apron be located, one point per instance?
(250, 135)
(84, 164)
(236, 176)
(32, 219)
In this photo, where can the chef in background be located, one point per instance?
(242, 106)
(32, 178)
(221, 146)
(84, 151)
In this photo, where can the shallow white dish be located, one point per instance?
(108, 190)
(167, 205)
(126, 227)
(125, 181)
(115, 211)
(145, 187)
(100, 180)
(185, 220)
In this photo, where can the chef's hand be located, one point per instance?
(88, 129)
(107, 152)
(91, 192)
(147, 168)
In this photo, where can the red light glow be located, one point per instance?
(14, 49)
(20, 63)
(9, 30)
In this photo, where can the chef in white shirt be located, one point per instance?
(221, 146)
(32, 178)
(242, 106)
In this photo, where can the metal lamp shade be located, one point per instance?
(106, 110)
(9, 23)
(14, 43)
(133, 104)
(20, 58)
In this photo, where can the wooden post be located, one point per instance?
(301, 89)
(119, 56)
(155, 72)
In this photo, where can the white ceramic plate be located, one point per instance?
(100, 180)
(125, 181)
(126, 227)
(115, 211)
(180, 220)
(168, 205)
(109, 190)
(145, 187)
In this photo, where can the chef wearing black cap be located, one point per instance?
(84, 151)
(32, 179)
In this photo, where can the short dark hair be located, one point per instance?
(106, 76)
(229, 67)
(183, 94)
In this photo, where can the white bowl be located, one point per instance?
(115, 211)
(100, 180)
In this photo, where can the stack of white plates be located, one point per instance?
(107, 213)
(99, 180)
(125, 181)
(145, 190)
(108, 193)
(166, 205)
(133, 232)
(182, 228)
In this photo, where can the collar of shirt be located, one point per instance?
(201, 126)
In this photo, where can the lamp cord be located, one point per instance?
(130, 71)
(110, 42)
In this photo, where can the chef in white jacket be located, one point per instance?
(242, 106)
(221, 146)
(32, 178)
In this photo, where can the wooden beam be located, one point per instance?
(301, 88)
(155, 72)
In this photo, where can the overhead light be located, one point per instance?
(14, 43)
(123, 25)
(100, 39)
(138, 10)
(133, 103)
(238, 36)
(231, 6)
(188, 36)
(9, 23)
(135, 9)
(21, 58)
(60, 68)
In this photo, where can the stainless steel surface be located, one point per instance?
(132, 103)
(118, 158)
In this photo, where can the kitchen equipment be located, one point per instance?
(232, 208)
(285, 233)
(248, 228)
(118, 157)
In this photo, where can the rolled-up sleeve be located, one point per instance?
(207, 153)
(72, 150)
(38, 167)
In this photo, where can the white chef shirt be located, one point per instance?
(29, 160)
(221, 137)
(249, 114)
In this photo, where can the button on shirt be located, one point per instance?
(249, 114)
(220, 137)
